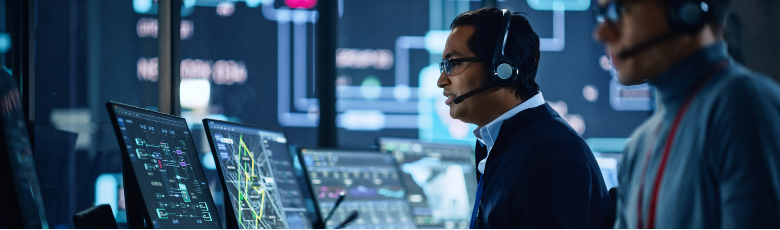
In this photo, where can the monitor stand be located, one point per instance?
(137, 216)
(230, 215)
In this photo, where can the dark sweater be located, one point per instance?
(541, 174)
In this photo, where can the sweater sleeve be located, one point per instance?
(745, 149)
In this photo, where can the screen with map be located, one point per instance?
(243, 150)
(370, 180)
(167, 171)
(440, 180)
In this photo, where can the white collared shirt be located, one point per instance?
(487, 134)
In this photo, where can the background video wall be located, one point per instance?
(253, 61)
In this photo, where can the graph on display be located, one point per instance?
(250, 181)
(440, 178)
(167, 169)
(273, 149)
(371, 184)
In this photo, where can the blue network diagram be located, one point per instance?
(258, 58)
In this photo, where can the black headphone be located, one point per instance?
(688, 16)
(504, 71)
(684, 17)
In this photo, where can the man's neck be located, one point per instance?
(502, 106)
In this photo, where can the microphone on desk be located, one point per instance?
(335, 206)
(352, 217)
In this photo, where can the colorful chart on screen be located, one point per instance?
(167, 169)
(243, 150)
(371, 182)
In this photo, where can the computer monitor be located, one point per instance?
(165, 186)
(369, 179)
(608, 152)
(21, 205)
(257, 172)
(608, 166)
(441, 180)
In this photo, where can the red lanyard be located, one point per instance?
(667, 148)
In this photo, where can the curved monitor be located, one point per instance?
(22, 205)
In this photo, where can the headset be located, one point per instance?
(684, 17)
(688, 16)
(504, 71)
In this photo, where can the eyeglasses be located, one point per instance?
(611, 12)
(446, 65)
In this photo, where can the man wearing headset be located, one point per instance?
(709, 157)
(534, 170)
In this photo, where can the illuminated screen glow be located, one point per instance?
(239, 148)
(370, 180)
(167, 169)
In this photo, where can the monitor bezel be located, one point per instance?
(379, 142)
(225, 195)
(140, 218)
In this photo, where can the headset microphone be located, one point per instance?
(684, 17)
(459, 99)
(645, 45)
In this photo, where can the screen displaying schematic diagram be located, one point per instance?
(440, 180)
(167, 169)
(370, 181)
(282, 199)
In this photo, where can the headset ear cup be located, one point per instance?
(504, 74)
(688, 16)
(691, 15)
(504, 71)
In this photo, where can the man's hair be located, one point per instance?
(522, 45)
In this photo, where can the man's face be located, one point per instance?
(465, 76)
(641, 21)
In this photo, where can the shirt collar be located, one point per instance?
(487, 134)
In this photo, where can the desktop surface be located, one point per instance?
(269, 198)
(440, 178)
(370, 180)
(167, 169)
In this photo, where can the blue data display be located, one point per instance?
(440, 180)
(370, 181)
(167, 169)
(261, 154)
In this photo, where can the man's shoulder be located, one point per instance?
(548, 138)
(740, 83)
(742, 93)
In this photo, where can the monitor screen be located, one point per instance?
(24, 208)
(370, 180)
(167, 169)
(608, 166)
(243, 150)
(440, 178)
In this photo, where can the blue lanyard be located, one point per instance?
(477, 201)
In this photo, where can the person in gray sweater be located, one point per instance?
(709, 156)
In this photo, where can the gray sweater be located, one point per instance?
(723, 167)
